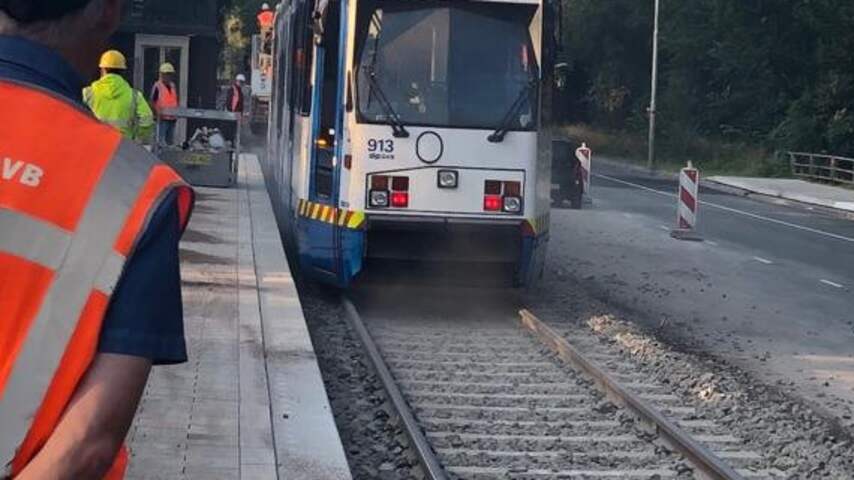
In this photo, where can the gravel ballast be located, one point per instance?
(376, 446)
(791, 436)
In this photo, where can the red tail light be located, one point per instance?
(492, 203)
(399, 199)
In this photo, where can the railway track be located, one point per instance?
(483, 399)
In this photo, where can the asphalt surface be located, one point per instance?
(770, 288)
(781, 233)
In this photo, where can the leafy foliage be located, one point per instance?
(239, 25)
(779, 73)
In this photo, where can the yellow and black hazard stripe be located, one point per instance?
(331, 215)
(540, 224)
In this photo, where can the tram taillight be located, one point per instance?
(399, 199)
(492, 203)
(501, 196)
(389, 192)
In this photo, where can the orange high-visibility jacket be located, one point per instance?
(75, 198)
(266, 19)
(167, 97)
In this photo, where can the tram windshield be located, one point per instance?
(442, 64)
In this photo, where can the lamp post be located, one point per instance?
(651, 157)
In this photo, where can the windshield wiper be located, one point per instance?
(504, 127)
(397, 127)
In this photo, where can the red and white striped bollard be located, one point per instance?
(585, 158)
(688, 205)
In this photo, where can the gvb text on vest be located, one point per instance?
(24, 173)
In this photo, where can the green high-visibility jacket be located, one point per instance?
(115, 102)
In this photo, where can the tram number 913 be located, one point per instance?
(380, 149)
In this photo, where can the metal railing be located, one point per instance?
(824, 168)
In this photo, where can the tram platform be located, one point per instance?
(250, 403)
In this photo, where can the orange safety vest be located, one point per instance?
(74, 201)
(236, 97)
(167, 97)
(266, 19)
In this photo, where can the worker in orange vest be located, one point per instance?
(89, 230)
(266, 17)
(164, 94)
(234, 101)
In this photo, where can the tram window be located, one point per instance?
(279, 92)
(446, 64)
(302, 54)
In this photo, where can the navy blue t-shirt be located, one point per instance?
(145, 316)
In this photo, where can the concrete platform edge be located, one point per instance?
(306, 443)
(256, 430)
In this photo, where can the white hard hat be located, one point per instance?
(265, 6)
(240, 77)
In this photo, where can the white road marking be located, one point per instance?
(712, 243)
(664, 227)
(733, 210)
(832, 284)
(763, 260)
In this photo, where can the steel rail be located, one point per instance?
(703, 459)
(423, 450)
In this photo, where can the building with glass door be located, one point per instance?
(183, 33)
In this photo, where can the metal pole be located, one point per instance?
(651, 157)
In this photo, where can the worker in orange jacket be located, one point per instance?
(266, 21)
(89, 231)
(164, 95)
(266, 17)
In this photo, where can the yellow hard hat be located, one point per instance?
(113, 59)
(167, 68)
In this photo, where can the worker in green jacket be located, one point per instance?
(115, 102)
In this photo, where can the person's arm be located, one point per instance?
(229, 99)
(93, 427)
(144, 118)
(154, 92)
(88, 96)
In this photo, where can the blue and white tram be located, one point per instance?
(415, 129)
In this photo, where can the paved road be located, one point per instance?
(770, 289)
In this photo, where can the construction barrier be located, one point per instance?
(688, 202)
(585, 157)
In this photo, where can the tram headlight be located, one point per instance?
(512, 204)
(448, 179)
(379, 198)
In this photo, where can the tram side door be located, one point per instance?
(325, 133)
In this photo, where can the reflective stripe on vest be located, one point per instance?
(166, 98)
(64, 243)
